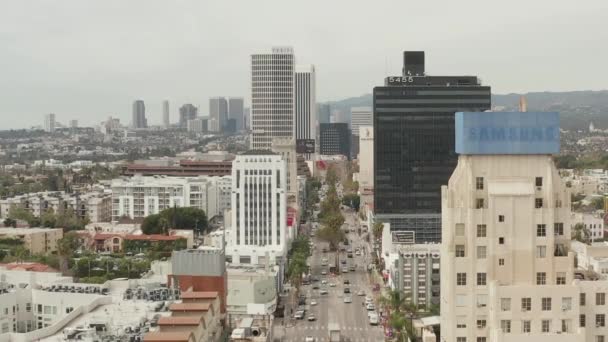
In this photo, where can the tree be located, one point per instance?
(175, 218)
(9, 222)
(19, 213)
(66, 246)
(48, 218)
(581, 234)
(395, 302)
(377, 229)
(352, 200)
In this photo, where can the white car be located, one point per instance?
(311, 318)
(373, 318)
(357, 253)
(313, 302)
(361, 293)
(368, 299)
(348, 300)
(332, 285)
(323, 281)
(324, 272)
(370, 307)
(323, 291)
(309, 339)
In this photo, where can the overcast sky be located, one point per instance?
(86, 60)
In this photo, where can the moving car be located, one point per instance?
(373, 318)
(361, 293)
(351, 268)
(332, 284)
(346, 282)
(346, 290)
(348, 299)
(324, 272)
(313, 302)
(323, 292)
(324, 281)
(311, 318)
(345, 270)
(309, 339)
(299, 314)
(370, 307)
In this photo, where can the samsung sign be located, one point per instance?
(507, 133)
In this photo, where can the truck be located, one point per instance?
(334, 332)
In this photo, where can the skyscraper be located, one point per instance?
(139, 115)
(187, 112)
(334, 139)
(414, 144)
(236, 112)
(259, 209)
(361, 116)
(324, 111)
(305, 103)
(49, 123)
(166, 119)
(272, 97)
(218, 113)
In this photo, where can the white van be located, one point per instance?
(373, 318)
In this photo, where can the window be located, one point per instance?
(582, 320)
(600, 320)
(461, 300)
(539, 181)
(545, 325)
(505, 326)
(541, 252)
(501, 218)
(460, 251)
(28, 307)
(526, 304)
(541, 230)
(599, 338)
(501, 240)
(461, 322)
(525, 326)
(560, 278)
(566, 303)
(460, 229)
(558, 229)
(461, 279)
(481, 230)
(481, 323)
(546, 304)
(461, 339)
(481, 252)
(47, 309)
(505, 304)
(479, 203)
(481, 279)
(482, 301)
(481, 339)
(566, 325)
(600, 298)
(541, 278)
(39, 309)
(538, 203)
(501, 262)
(479, 183)
(582, 298)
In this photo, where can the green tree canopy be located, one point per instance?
(175, 218)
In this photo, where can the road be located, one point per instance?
(351, 317)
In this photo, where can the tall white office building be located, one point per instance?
(49, 123)
(272, 97)
(166, 119)
(507, 270)
(366, 156)
(361, 116)
(195, 125)
(305, 107)
(258, 214)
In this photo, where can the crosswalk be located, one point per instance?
(343, 328)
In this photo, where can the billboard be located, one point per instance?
(305, 146)
(507, 133)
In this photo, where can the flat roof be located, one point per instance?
(189, 306)
(172, 320)
(199, 295)
(167, 336)
(27, 230)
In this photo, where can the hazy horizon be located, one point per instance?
(89, 60)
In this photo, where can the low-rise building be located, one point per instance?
(35, 240)
(251, 290)
(592, 257)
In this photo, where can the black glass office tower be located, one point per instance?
(414, 144)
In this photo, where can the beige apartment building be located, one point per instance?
(35, 240)
(507, 270)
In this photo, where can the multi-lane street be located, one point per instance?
(352, 318)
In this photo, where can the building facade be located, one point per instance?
(414, 144)
(272, 97)
(166, 115)
(334, 139)
(139, 115)
(187, 112)
(366, 156)
(507, 269)
(138, 196)
(323, 112)
(305, 104)
(236, 112)
(49, 123)
(218, 113)
(286, 148)
(258, 231)
(195, 125)
(361, 116)
(35, 240)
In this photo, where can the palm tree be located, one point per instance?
(398, 307)
(297, 267)
(377, 230)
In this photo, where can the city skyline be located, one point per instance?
(91, 82)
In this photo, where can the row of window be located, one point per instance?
(541, 229)
(538, 203)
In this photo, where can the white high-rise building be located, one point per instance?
(258, 219)
(138, 196)
(366, 156)
(286, 148)
(218, 113)
(166, 119)
(507, 270)
(195, 125)
(49, 123)
(272, 97)
(361, 116)
(305, 106)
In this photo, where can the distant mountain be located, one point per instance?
(577, 108)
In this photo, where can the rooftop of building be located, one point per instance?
(199, 295)
(190, 306)
(28, 266)
(259, 153)
(168, 336)
(153, 237)
(184, 321)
